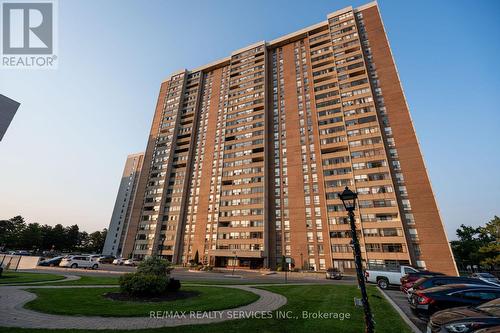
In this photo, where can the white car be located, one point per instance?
(95, 257)
(386, 276)
(131, 262)
(118, 261)
(79, 261)
(486, 277)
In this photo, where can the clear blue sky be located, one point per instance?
(61, 159)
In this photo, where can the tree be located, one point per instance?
(10, 231)
(490, 253)
(16, 234)
(478, 245)
(57, 238)
(196, 257)
(154, 266)
(47, 241)
(466, 248)
(31, 237)
(491, 231)
(72, 235)
(95, 241)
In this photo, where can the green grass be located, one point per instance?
(311, 298)
(109, 280)
(90, 302)
(11, 277)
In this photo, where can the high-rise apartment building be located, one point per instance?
(120, 219)
(246, 157)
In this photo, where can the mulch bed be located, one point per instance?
(171, 296)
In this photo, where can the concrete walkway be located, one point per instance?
(67, 277)
(13, 298)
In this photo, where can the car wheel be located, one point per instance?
(74, 265)
(95, 266)
(383, 283)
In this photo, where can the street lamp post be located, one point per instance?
(348, 198)
(234, 262)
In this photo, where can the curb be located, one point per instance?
(403, 315)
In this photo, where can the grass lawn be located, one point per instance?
(89, 301)
(12, 277)
(108, 280)
(311, 298)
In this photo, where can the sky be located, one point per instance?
(62, 157)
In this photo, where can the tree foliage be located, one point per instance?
(150, 279)
(16, 234)
(478, 245)
(154, 266)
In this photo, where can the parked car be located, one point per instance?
(118, 261)
(51, 262)
(334, 274)
(426, 302)
(79, 261)
(386, 277)
(131, 262)
(494, 329)
(436, 281)
(486, 277)
(466, 319)
(20, 253)
(408, 280)
(106, 259)
(94, 257)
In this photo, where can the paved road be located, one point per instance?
(12, 313)
(401, 301)
(220, 275)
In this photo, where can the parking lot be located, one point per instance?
(401, 301)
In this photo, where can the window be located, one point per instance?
(480, 295)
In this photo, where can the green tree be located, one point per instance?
(31, 237)
(491, 231)
(477, 245)
(154, 266)
(95, 241)
(466, 248)
(47, 241)
(57, 238)
(490, 253)
(196, 257)
(72, 235)
(10, 231)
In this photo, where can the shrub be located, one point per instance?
(174, 285)
(139, 284)
(207, 268)
(154, 266)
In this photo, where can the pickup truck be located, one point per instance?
(385, 277)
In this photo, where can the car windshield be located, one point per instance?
(486, 275)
